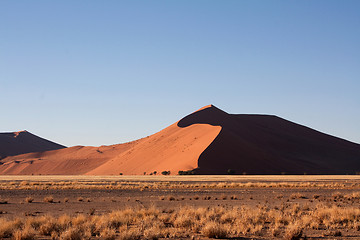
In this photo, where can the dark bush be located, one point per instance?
(165, 172)
(189, 172)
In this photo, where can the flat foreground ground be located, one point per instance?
(188, 207)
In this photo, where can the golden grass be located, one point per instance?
(215, 230)
(176, 182)
(293, 231)
(49, 199)
(29, 199)
(290, 222)
(24, 234)
(297, 196)
(173, 185)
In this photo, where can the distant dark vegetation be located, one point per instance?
(189, 172)
(165, 172)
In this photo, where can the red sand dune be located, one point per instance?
(15, 143)
(266, 144)
(73, 160)
(210, 141)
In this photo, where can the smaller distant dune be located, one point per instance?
(15, 143)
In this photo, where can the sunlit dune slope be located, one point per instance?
(172, 149)
(73, 160)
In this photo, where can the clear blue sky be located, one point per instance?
(106, 72)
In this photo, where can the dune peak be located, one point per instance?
(206, 115)
(16, 134)
(22, 142)
(208, 106)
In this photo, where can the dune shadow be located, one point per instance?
(211, 115)
(266, 144)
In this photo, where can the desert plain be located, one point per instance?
(180, 207)
(292, 182)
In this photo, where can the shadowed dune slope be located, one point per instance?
(15, 143)
(265, 144)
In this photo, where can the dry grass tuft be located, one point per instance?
(24, 234)
(153, 233)
(108, 234)
(129, 234)
(293, 232)
(183, 221)
(73, 233)
(29, 199)
(297, 196)
(316, 196)
(215, 230)
(49, 199)
(7, 228)
(49, 227)
(338, 195)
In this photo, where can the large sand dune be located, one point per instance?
(210, 141)
(265, 144)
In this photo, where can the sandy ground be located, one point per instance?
(106, 200)
(102, 201)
